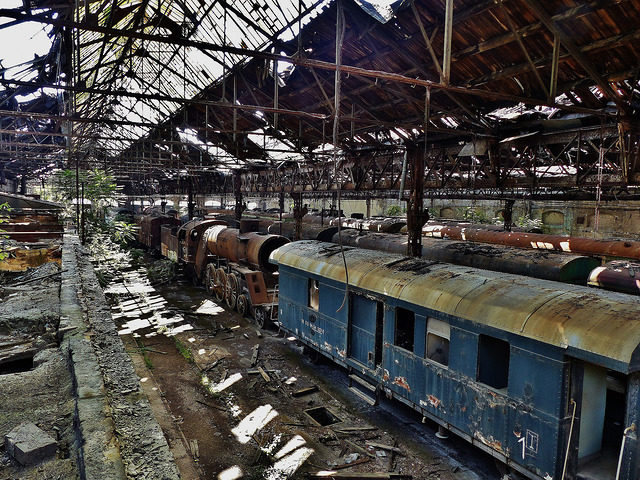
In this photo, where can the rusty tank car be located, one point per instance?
(547, 265)
(539, 241)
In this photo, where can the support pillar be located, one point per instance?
(368, 203)
(299, 211)
(190, 206)
(417, 215)
(507, 214)
(240, 206)
(281, 206)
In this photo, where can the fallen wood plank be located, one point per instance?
(352, 464)
(264, 375)
(254, 355)
(305, 391)
(195, 449)
(385, 447)
(354, 429)
(256, 371)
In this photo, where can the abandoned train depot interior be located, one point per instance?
(320, 239)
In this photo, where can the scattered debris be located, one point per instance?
(195, 450)
(305, 391)
(254, 355)
(264, 375)
(385, 447)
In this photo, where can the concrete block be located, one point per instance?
(28, 445)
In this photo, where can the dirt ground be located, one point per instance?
(228, 420)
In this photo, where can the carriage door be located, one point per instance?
(365, 330)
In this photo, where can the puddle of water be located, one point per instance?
(254, 422)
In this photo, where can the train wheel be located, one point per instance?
(242, 304)
(260, 315)
(210, 279)
(233, 285)
(221, 285)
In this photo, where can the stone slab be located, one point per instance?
(29, 445)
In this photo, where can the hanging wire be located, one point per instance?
(340, 28)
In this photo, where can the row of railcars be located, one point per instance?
(542, 375)
(233, 264)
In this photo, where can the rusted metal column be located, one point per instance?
(299, 211)
(190, 207)
(507, 214)
(281, 206)
(240, 206)
(417, 216)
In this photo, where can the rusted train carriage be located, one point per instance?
(150, 226)
(543, 376)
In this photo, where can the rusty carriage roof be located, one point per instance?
(584, 321)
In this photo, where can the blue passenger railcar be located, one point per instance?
(541, 375)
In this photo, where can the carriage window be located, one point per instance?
(405, 323)
(493, 362)
(314, 295)
(438, 341)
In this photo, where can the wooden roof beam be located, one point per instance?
(571, 47)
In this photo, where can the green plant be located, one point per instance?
(147, 361)
(183, 350)
(394, 210)
(529, 223)
(97, 186)
(123, 232)
(475, 215)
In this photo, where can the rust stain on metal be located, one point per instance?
(402, 382)
(433, 400)
(489, 441)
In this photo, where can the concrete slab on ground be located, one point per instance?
(29, 445)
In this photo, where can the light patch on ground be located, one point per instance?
(219, 387)
(296, 442)
(174, 331)
(254, 422)
(232, 473)
(287, 466)
(210, 308)
(133, 325)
